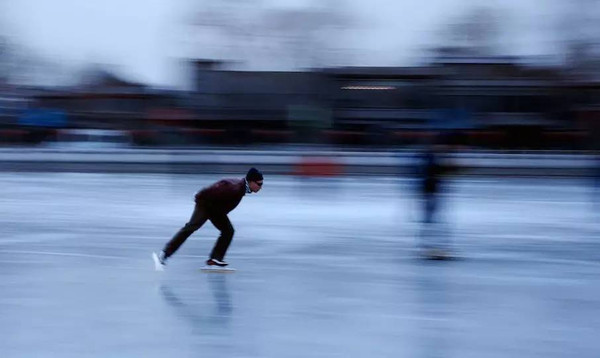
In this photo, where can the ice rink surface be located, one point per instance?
(326, 268)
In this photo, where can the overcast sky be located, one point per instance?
(145, 39)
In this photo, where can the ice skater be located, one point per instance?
(213, 203)
(432, 170)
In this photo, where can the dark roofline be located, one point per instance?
(477, 60)
(378, 72)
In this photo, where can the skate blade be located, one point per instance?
(157, 265)
(213, 269)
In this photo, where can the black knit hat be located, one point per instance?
(254, 175)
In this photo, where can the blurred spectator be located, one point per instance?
(432, 168)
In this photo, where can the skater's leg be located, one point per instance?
(427, 223)
(198, 219)
(431, 206)
(224, 225)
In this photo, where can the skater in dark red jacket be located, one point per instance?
(213, 203)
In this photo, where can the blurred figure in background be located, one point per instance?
(432, 168)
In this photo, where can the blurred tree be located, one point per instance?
(3, 59)
(309, 37)
(21, 65)
(474, 33)
(579, 30)
(273, 37)
(227, 29)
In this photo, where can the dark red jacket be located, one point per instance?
(222, 196)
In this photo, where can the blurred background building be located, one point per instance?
(493, 102)
(279, 75)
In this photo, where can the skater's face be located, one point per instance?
(255, 186)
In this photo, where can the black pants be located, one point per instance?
(199, 217)
(430, 207)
